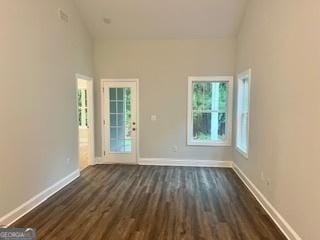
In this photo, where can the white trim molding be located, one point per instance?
(26, 207)
(185, 162)
(283, 225)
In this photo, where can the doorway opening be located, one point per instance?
(85, 121)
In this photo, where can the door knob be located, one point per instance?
(133, 129)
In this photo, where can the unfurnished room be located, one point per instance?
(160, 120)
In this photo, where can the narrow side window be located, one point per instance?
(243, 113)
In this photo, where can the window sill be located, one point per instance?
(209, 144)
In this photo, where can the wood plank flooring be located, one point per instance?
(119, 202)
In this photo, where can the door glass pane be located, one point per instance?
(113, 133)
(113, 94)
(120, 106)
(120, 133)
(113, 107)
(120, 120)
(117, 146)
(128, 145)
(120, 94)
(113, 120)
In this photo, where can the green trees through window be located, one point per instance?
(209, 110)
(83, 108)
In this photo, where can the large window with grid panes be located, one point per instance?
(210, 111)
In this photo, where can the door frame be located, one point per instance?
(92, 160)
(103, 113)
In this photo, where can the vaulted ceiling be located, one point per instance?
(161, 19)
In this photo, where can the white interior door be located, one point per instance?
(120, 121)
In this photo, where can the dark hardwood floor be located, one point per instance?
(152, 203)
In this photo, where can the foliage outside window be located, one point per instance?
(210, 111)
(83, 108)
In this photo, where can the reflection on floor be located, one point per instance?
(84, 155)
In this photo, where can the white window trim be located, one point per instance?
(241, 76)
(228, 142)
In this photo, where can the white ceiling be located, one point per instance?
(162, 19)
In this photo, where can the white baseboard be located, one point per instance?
(283, 225)
(174, 162)
(184, 162)
(20, 211)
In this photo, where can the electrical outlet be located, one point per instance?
(153, 118)
(68, 160)
(175, 148)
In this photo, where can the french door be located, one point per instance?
(120, 121)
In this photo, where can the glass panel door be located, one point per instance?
(120, 122)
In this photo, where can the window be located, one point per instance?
(210, 111)
(83, 108)
(243, 107)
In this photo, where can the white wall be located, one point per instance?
(163, 67)
(280, 41)
(39, 59)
